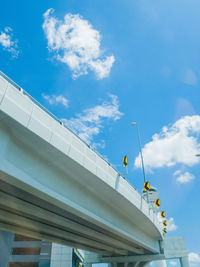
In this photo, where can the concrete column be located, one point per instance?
(184, 261)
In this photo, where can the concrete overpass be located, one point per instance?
(53, 186)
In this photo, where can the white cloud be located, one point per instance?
(77, 44)
(174, 144)
(178, 172)
(173, 263)
(55, 99)
(102, 67)
(194, 259)
(183, 177)
(7, 42)
(190, 78)
(171, 226)
(88, 124)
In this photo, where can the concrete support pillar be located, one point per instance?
(184, 261)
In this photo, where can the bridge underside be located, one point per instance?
(26, 214)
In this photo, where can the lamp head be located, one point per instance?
(133, 123)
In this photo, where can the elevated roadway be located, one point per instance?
(53, 186)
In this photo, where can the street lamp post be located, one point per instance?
(139, 141)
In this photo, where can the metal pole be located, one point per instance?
(139, 141)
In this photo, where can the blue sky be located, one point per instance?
(98, 66)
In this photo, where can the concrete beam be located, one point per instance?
(171, 247)
(35, 226)
(174, 247)
(123, 259)
(42, 236)
(21, 206)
